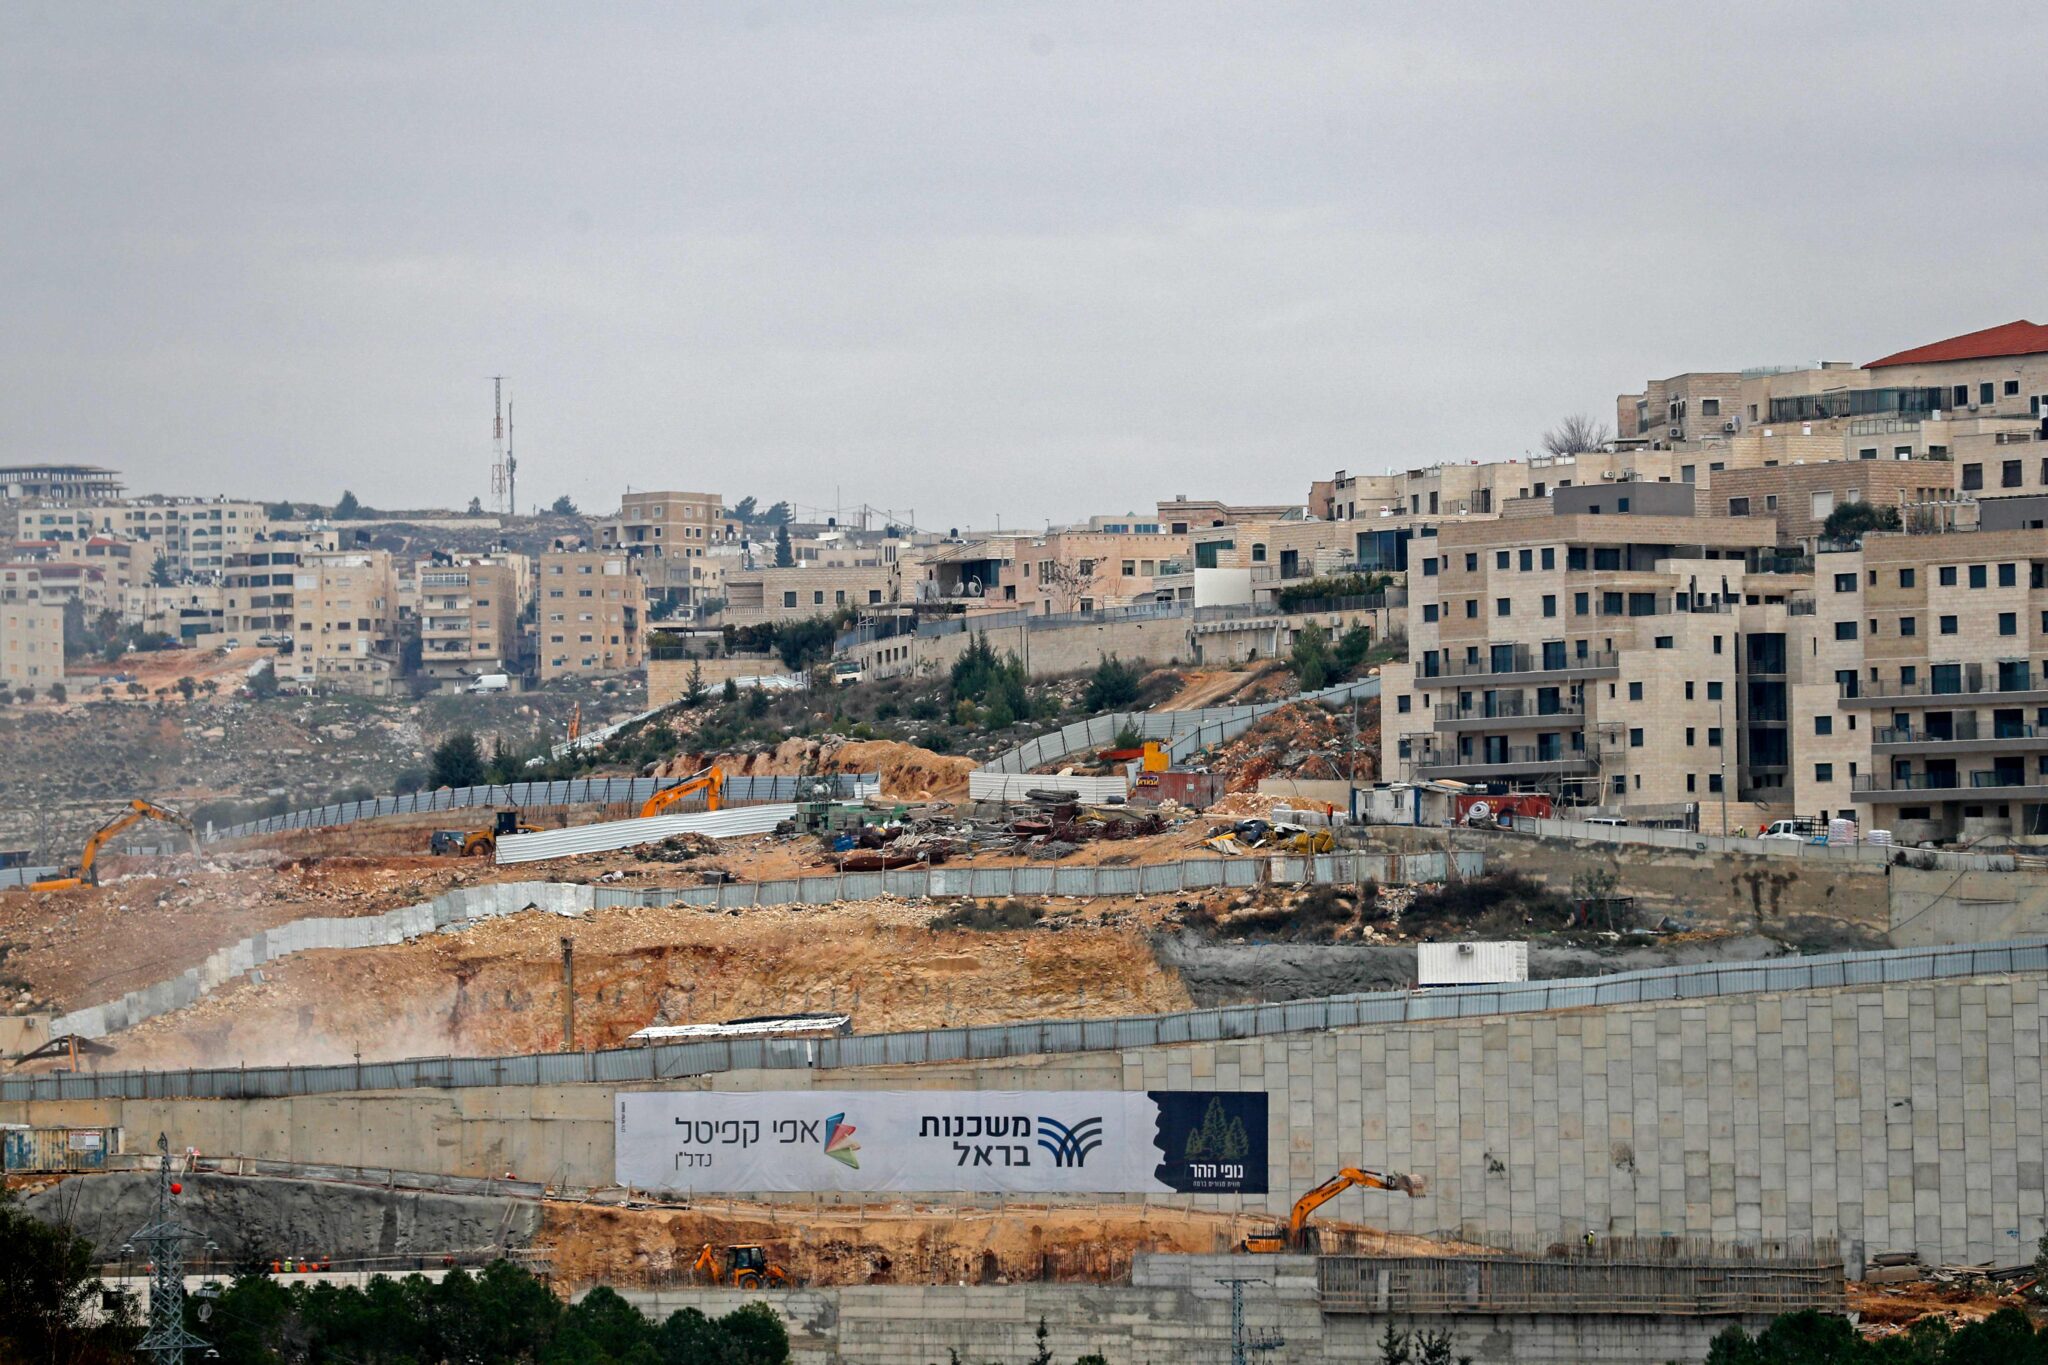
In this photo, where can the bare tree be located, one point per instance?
(1576, 433)
(1068, 583)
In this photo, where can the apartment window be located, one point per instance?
(1689, 737)
(789, 599)
(1685, 473)
(1575, 558)
(1823, 772)
(1471, 609)
(1823, 503)
(1738, 507)
(1621, 505)
(1526, 560)
(1690, 779)
(1635, 738)
(1710, 407)
(818, 598)
(1429, 568)
(1130, 568)
(1581, 604)
(1867, 453)
(1664, 642)
(1947, 575)
(2008, 623)
(1635, 691)
(1984, 394)
(2008, 575)
(1948, 625)
(1429, 611)
(1845, 630)
(1973, 477)
(1471, 563)
(2009, 474)
(1500, 559)
(1713, 736)
(1258, 553)
(1401, 703)
(1823, 725)
(1688, 689)
(1501, 607)
(1845, 582)
(1909, 626)
(1905, 578)
(1978, 575)
(1713, 782)
(1717, 644)
(1960, 395)
(1549, 604)
(2012, 388)
(1908, 676)
(1549, 557)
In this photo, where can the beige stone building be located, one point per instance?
(194, 536)
(664, 535)
(758, 596)
(1053, 572)
(345, 603)
(592, 612)
(468, 608)
(31, 642)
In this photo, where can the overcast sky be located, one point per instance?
(1027, 260)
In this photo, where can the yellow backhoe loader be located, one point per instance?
(746, 1267)
(1295, 1236)
(711, 782)
(86, 871)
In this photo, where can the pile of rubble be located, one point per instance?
(1301, 741)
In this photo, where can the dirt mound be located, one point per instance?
(907, 771)
(1300, 741)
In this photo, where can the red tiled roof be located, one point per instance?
(2014, 338)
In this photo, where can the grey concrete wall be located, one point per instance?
(1901, 1116)
(1939, 906)
(1174, 1313)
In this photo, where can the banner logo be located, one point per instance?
(1069, 1146)
(839, 1143)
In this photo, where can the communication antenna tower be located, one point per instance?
(511, 467)
(501, 474)
(163, 1243)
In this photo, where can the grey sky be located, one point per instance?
(1040, 260)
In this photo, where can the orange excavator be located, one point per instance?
(1295, 1236)
(711, 782)
(746, 1267)
(86, 872)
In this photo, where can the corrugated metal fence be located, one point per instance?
(22, 876)
(1188, 731)
(673, 1061)
(983, 785)
(1876, 855)
(580, 791)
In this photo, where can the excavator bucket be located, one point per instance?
(1412, 1185)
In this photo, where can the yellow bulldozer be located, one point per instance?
(1295, 1236)
(478, 843)
(746, 1267)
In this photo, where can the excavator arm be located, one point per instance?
(711, 782)
(138, 811)
(1414, 1186)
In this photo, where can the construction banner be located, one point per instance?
(970, 1141)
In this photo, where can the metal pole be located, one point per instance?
(1721, 753)
(568, 994)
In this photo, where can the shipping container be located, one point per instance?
(1470, 964)
(57, 1149)
(1196, 791)
(1504, 807)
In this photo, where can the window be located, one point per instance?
(1635, 738)
(2012, 388)
(1905, 578)
(1845, 630)
(1429, 611)
(1713, 736)
(1502, 607)
(1526, 560)
(1401, 703)
(818, 598)
(2009, 474)
(1823, 772)
(1978, 575)
(1717, 644)
(1738, 507)
(1984, 394)
(1471, 609)
(1909, 625)
(1130, 568)
(2008, 623)
(1549, 604)
(1687, 473)
(1582, 603)
(1960, 395)
(1823, 503)
(1690, 779)
(789, 599)
(1429, 568)
(1688, 736)
(1472, 563)
(1713, 782)
(1664, 642)
(1621, 505)
(1845, 582)
(1635, 691)
(2008, 575)
(1823, 725)
(1549, 557)
(1948, 625)
(1947, 575)
(1710, 407)
(1258, 553)
(1867, 453)
(1973, 477)
(1500, 559)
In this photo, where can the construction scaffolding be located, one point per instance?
(1661, 1276)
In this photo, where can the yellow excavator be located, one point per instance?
(1295, 1236)
(746, 1267)
(86, 872)
(711, 781)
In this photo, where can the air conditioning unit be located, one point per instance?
(1729, 426)
(1607, 474)
(1677, 433)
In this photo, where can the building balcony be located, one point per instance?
(1514, 761)
(1526, 667)
(1982, 784)
(1967, 735)
(1510, 714)
(1973, 686)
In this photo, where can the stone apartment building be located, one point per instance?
(345, 603)
(762, 596)
(31, 641)
(1053, 572)
(468, 608)
(194, 536)
(592, 612)
(664, 535)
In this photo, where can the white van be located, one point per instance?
(491, 682)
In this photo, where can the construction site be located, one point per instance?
(925, 1049)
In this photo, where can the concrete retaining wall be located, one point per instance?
(1173, 1313)
(1904, 1116)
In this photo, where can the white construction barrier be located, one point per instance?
(615, 834)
